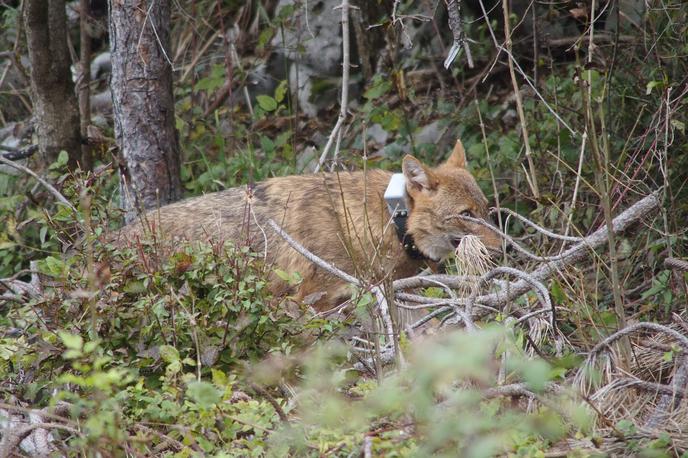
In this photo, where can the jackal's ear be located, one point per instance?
(458, 156)
(418, 177)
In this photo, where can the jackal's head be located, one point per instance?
(436, 197)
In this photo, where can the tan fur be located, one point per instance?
(340, 217)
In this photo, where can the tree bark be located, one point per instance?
(143, 104)
(85, 81)
(52, 91)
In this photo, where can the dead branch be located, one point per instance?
(606, 343)
(577, 252)
(333, 270)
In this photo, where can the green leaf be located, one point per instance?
(7, 245)
(281, 91)
(43, 233)
(204, 394)
(378, 89)
(53, 266)
(169, 354)
(71, 341)
(267, 103)
(679, 125)
(651, 85)
(62, 158)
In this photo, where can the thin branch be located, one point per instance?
(273, 402)
(346, 59)
(312, 257)
(459, 38)
(47, 185)
(539, 229)
(629, 216)
(682, 340)
(532, 180)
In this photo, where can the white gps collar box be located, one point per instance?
(395, 195)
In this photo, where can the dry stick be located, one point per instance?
(453, 281)
(47, 185)
(519, 104)
(376, 290)
(680, 376)
(336, 132)
(538, 228)
(602, 175)
(541, 291)
(273, 402)
(579, 174)
(513, 243)
(649, 386)
(311, 257)
(637, 211)
(632, 214)
(682, 340)
(516, 389)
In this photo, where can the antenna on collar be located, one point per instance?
(397, 204)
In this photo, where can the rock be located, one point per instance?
(315, 37)
(307, 159)
(430, 133)
(377, 134)
(301, 84)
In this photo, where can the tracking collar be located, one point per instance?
(395, 197)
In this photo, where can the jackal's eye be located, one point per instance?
(467, 213)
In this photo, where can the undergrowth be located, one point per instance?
(182, 350)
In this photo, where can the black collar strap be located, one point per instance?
(397, 204)
(399, 218)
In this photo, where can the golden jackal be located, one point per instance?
(342, 218)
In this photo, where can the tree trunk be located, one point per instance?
(85, 81)
(143, 104)
(55, 107)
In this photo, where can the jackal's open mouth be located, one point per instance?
(455, 241)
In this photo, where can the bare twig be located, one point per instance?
(538, 228)
(682, 339)
(331, 269)
(337, 131)
(532, 179)
(273, 402)
(632, 214)
(47, 185)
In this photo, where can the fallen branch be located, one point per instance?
(577, 252)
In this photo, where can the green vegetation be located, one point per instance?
(182, 351)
